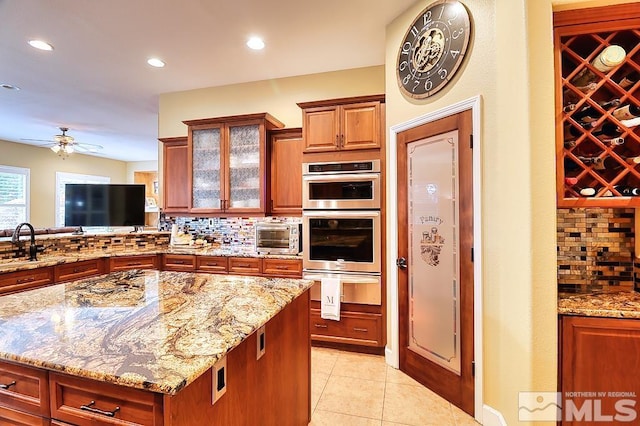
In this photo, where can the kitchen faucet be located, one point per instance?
(33, 248)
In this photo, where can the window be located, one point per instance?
(62, 179)
(14, 196)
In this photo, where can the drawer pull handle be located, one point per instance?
(212, 264)
(89, 408)
(321, 325)
(243, 265)
(179, 262)
(282, 267)
(26, 280)
(8, 385)
(133, 263)
(363, 330)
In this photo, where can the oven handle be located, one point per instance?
(341, 213)
(341, 177)
(348, 278)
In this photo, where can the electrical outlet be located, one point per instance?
(260, 342)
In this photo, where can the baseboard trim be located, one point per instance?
(492, 417)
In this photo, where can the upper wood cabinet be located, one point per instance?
(175, 176)
(286, 172)
(343, 124)
(227, 159)
(597, 95)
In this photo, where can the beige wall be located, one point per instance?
(518, 204)
(140, 166)
(278, 97)
(44, 164)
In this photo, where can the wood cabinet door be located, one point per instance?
(321, 128)
(286, 172)
(77, 270)
(206, 172)
(24, 280)
(598, 355)
(175, 186)
(360, 126)
(179, 262)
(11, 417)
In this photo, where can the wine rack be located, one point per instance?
(597, 152)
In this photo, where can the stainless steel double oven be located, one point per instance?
(342, 227)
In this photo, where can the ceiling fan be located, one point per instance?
(63, 144)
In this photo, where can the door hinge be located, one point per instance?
(471, 141)
(473, 368)
(472, 254)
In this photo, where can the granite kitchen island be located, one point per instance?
(157, 348)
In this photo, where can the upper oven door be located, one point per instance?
(347, 241)
(341, 191)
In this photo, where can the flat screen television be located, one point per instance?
(104, 205)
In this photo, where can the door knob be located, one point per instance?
(401, 262)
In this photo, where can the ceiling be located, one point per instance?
(97, 83)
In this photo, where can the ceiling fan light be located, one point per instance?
(69, 149)
(41, 45)
(55, 148)
(156, 62)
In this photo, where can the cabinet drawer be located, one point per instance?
(24, 389)
(18, 418)
(133, 262)
(353, 327)
(22, 280)
(83, 402)
(217, 264)
(282, 267)
(178, 262)
(77, 270)
(244, 265)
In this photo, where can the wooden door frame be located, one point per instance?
(392, 351)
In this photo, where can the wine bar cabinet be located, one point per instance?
(597, 68)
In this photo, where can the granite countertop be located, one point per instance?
(144, 329)
(13, 265)
(614, 304)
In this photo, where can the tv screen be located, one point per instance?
(104, 205)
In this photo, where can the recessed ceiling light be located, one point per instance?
(255, 43)
(155, 62)
(9, 86)
(40, 44)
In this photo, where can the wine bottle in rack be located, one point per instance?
(569, 144)
(609, 58)
(626, 112)
(629, 79)
(633, 160)
(606, 129)
(613, 141)
(587, 192)
(589, 113)
(633, 122)
(569, 107)
(572, 97)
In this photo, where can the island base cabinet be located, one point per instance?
(85, 402)
(274, 390)
(9, 417)
(600, 365)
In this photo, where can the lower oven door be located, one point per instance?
(342, 241)
(364, 289)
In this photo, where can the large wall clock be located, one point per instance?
(433, 48)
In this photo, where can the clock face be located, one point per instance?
(433, 48)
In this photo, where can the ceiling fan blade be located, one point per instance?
(87, 147)
(38, 140)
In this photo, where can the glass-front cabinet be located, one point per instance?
(227, 158)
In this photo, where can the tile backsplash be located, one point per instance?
(231, 231)
(596, 250)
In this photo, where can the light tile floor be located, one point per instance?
(353, 389)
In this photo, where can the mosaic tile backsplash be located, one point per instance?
(229, 231)
(596, 250)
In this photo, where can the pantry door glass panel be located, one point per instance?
(434, 296)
